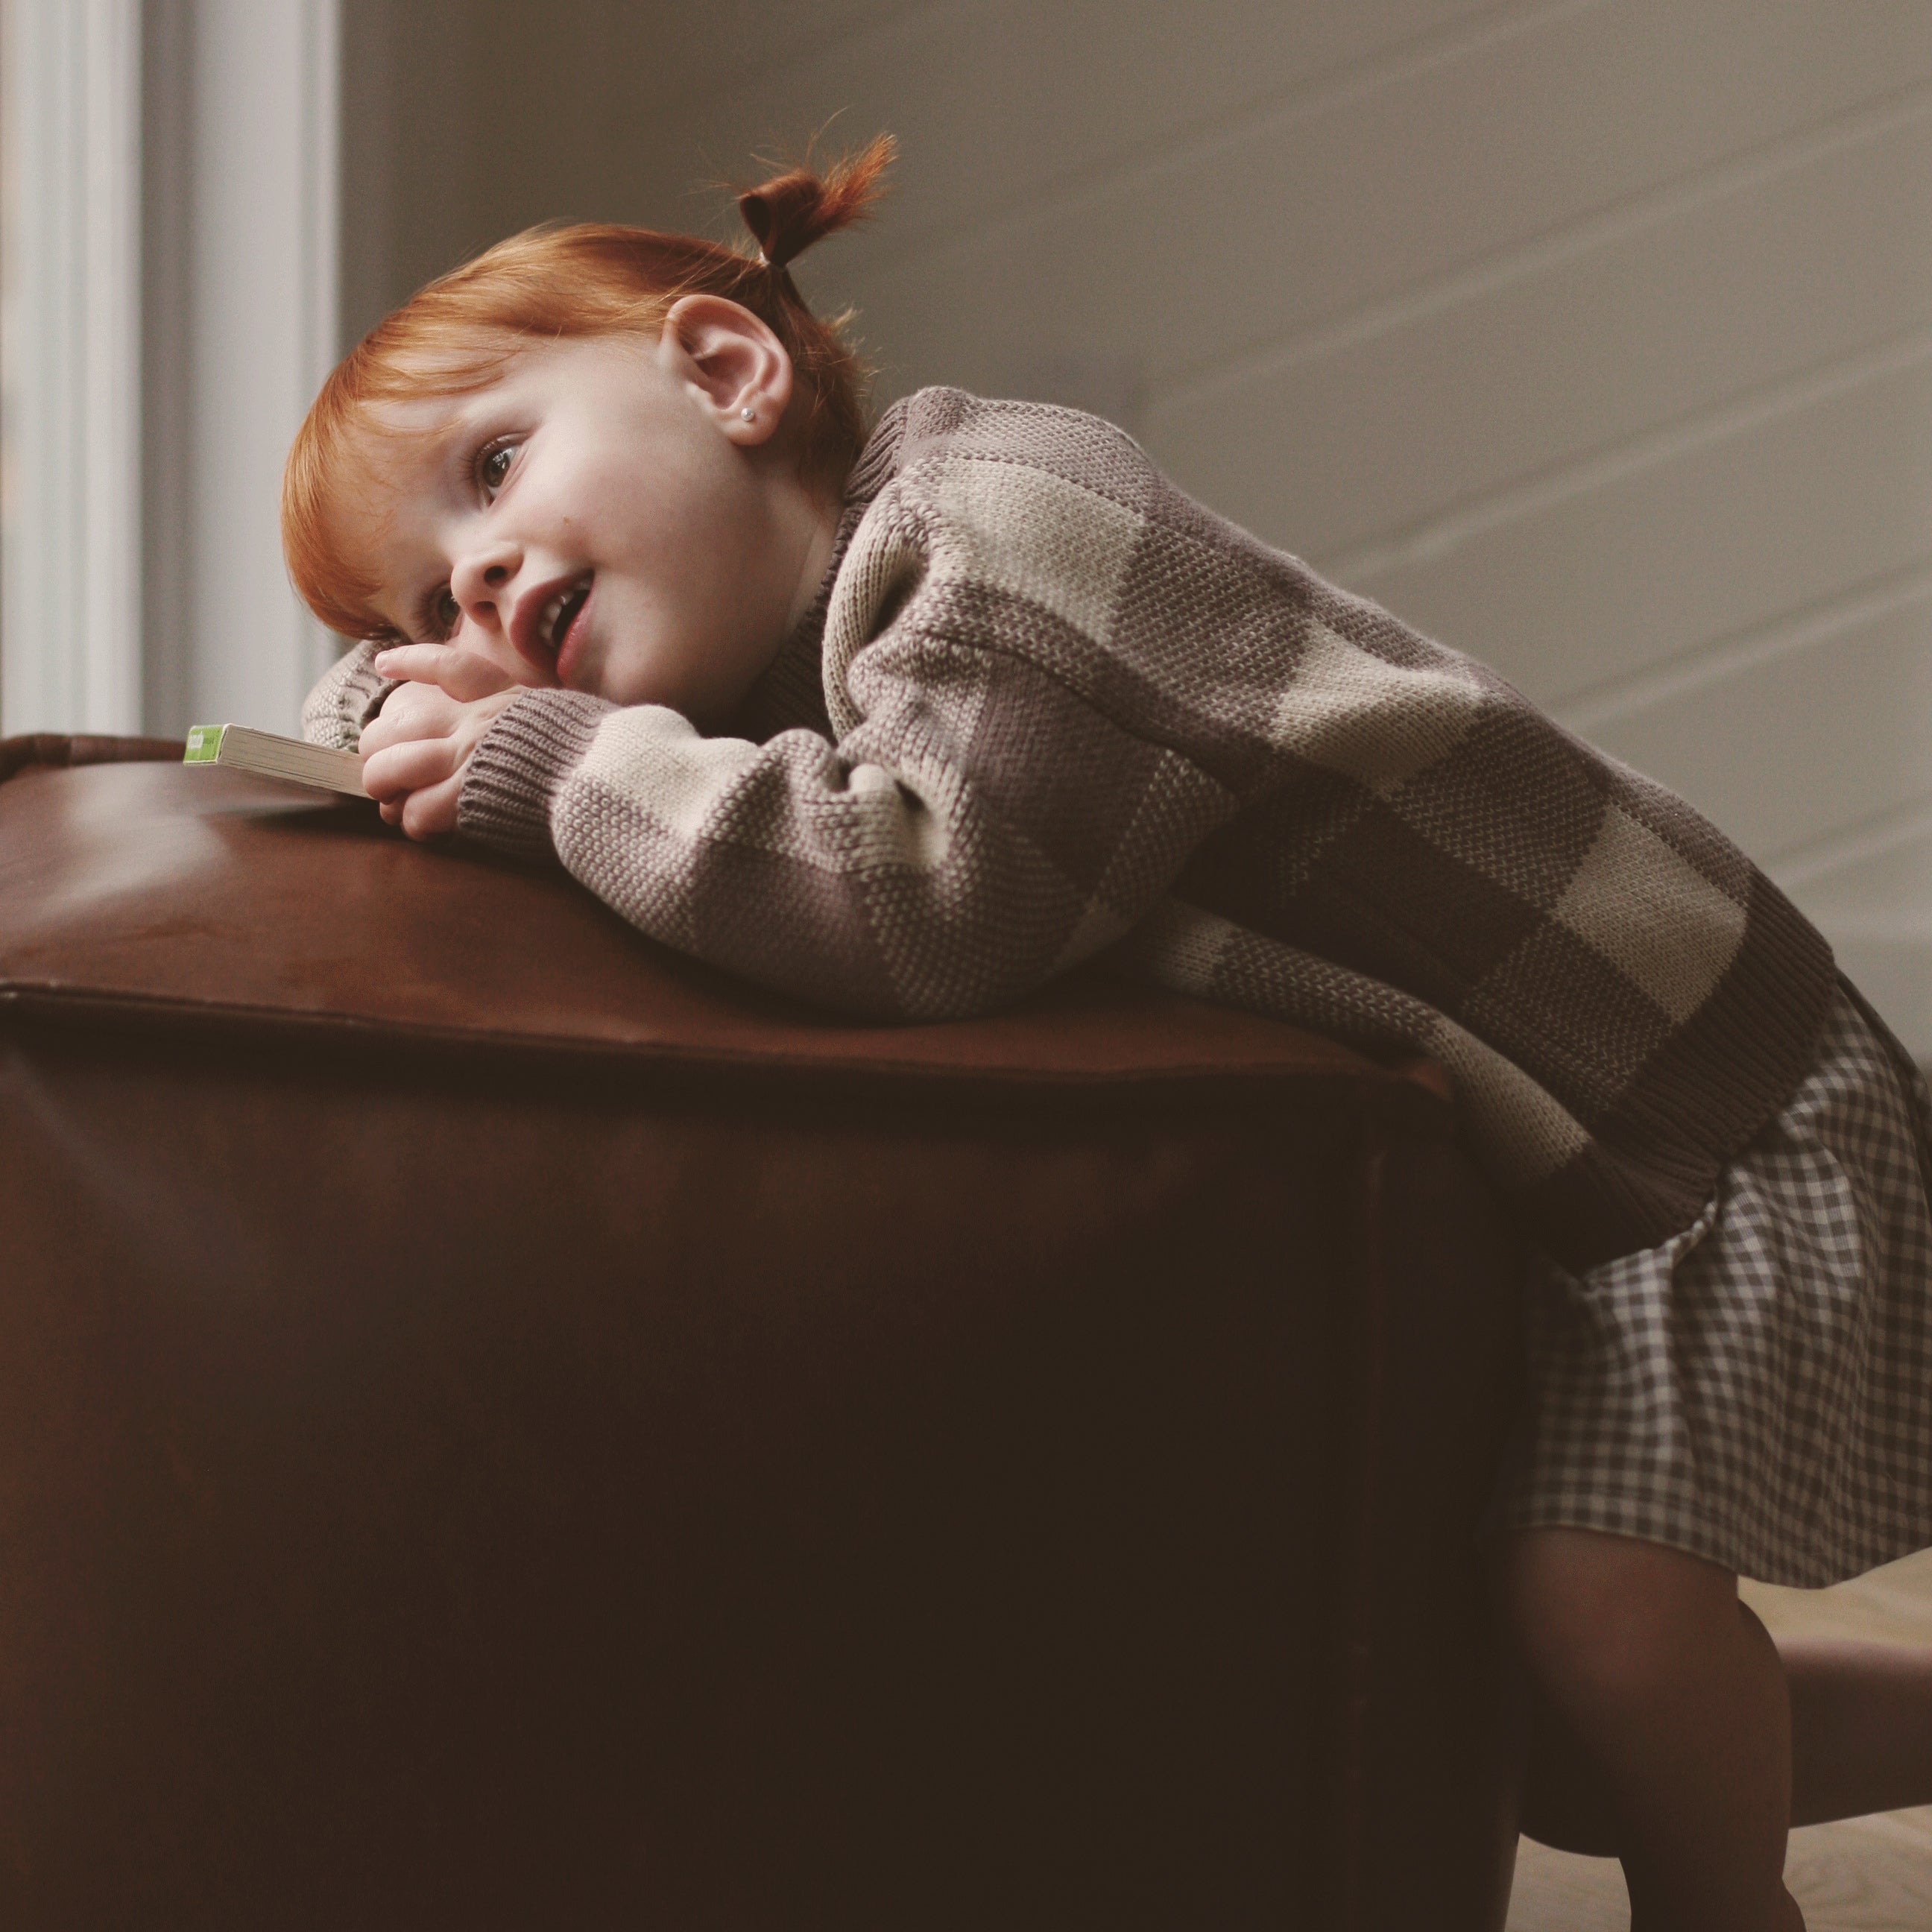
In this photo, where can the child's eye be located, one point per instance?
(445, 613)
(493, 466)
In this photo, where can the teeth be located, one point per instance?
(552, 612)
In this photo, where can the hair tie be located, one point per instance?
(779, 216)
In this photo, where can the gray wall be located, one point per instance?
(1593, 336)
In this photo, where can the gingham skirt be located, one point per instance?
(1758, 1389)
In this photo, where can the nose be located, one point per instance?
(481, 576)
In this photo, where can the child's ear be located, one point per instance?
(732, 360)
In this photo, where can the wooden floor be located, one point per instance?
(1867, 1875)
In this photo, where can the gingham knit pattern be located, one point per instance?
(1062, 708)
(1757, 1390)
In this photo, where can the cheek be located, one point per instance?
(676, 516)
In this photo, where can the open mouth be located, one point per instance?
(561, 612)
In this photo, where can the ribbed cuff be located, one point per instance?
(517, 770)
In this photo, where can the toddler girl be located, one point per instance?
(908, 722)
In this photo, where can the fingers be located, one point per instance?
(395, 771)
(413, 711)
(417, 785)
(463, 675)
(427, 711)
(416, 759)
(430, 813)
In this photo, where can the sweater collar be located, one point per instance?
(789, 694)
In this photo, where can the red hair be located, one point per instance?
(592, 278)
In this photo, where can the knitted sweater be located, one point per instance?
(1046, 705)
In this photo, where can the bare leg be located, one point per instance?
(1860, 1727)
(1642, 1657)
(1861, 1742)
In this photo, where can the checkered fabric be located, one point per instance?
(1059, 707)
(1757, 1390)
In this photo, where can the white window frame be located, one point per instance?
(170, 279)
(70, 367)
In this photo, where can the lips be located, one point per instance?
(565, 628)
(542, 625)
(554, 620)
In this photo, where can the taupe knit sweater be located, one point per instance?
(1047, 705)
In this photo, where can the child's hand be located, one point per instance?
(419, 743)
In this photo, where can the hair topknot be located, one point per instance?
(555, 282)
(789, 213)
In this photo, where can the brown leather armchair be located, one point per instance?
(499, 1426)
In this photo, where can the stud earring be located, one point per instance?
(750, 415)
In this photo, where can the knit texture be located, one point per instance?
(347, 696)
(1063, 708)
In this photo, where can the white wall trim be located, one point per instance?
(321, 254)
(70, 368)
(243, 287)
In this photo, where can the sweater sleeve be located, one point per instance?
(346, 696)
(980, 824)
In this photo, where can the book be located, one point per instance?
(243, 749)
